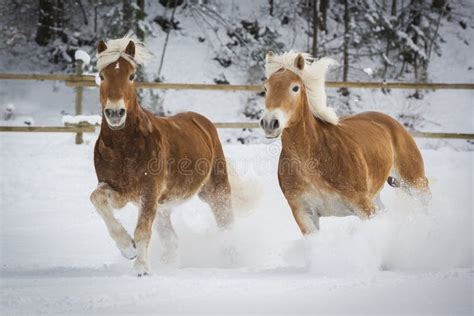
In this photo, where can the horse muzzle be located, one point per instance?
(272, 124)
(115, 116)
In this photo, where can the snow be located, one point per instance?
(56, 255)
(82, 55)
(76, 119)
(97, 79)
(409, 42)
(8, 111)
(369, 71)
(10, 107)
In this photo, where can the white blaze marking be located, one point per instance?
(117, 66)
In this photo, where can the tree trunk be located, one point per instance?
(83, 11)
(97, 3)
(50, 21)
(439, 4)
(387, 47)
(415, 14)
(128, 16)
(270, 8)
(140, 17)
(314, 49)
(394, 8)
(416, 21)
(323, 9)
(345, 66)
(166, 40)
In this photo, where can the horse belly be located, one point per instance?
(326, 203)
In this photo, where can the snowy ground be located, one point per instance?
(56, 255)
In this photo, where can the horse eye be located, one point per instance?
(132, 77)
(295, 88)
(101, 77)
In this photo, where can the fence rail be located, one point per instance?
(89, 81)
(49, 129)
(84, 128)
(79, 80)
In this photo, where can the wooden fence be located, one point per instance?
(79, 81)
(89, 81)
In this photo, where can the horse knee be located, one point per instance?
(104, 196)
(99, 199)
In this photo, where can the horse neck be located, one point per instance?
(303, 137)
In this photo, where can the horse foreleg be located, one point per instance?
(105, 199)
(142, 236)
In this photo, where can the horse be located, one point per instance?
(330, 166)
(153, 162)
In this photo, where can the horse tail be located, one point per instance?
(408, 167)
(245, 193)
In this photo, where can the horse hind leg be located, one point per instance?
(105, 199)
(364, 207)
(167, 234)
(217, 193)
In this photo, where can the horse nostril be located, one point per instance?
(122, 112)
(108, 112)
(274, 124)
(262, 123)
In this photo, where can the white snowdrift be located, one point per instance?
(56, 255)
(76, 119)
(83, 56)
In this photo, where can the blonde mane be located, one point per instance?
(313, 77)
(116, 49)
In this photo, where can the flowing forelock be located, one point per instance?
(313, 76)
(116, 49)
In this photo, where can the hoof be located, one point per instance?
(141, 269)
(130, 252)
(142, 274)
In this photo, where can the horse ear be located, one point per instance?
(299, 62)
(101, 46)
(130, 50)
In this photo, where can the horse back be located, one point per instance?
(355, 155)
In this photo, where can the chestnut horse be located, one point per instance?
(151, 161)
(327, 166)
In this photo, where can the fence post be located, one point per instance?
(79, 95)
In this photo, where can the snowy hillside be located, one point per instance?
(191, 58)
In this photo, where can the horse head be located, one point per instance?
(117, 61)
(294, 81)
(285, 94)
